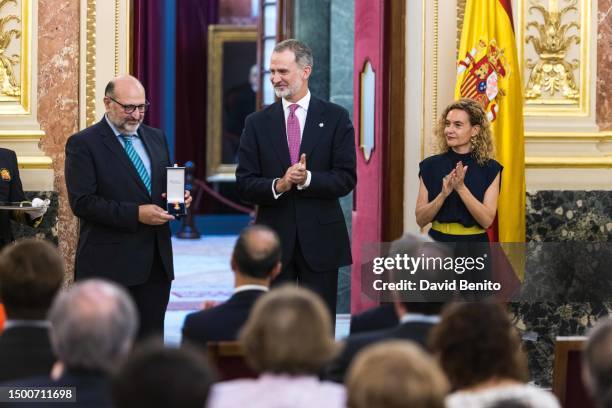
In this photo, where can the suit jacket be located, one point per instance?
(222, 322)
(25, 351)
(414, 331)
(378, 318)
(312, 216)
(105, 190)
(10, 190)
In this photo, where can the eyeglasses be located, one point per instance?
(131, 108)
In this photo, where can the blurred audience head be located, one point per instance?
(597, 363)
(154, 376)
(93, 324)
(395, 374)
(424, 302)
(31, 273)
(477, 342)
(257, 253)
(288, 331)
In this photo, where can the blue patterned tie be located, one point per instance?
(137, 161)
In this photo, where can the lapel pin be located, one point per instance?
(321, 124)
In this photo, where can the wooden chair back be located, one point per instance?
(567, 373)
(228, 358)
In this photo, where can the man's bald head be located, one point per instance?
(257, 252)
(121, 83)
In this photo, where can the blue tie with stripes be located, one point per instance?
(137, 161)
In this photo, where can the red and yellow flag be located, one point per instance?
(488, 71)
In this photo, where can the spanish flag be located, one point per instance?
(488, 71)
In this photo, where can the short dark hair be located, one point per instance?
(302, 52)
(110, 88)
(31, 273)
(143, 380)
(256, 258)
(476, 342)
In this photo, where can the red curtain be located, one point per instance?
(147, 48)
(193, 18)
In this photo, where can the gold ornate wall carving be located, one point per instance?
(10, 88)
(15, 50)
(552, 75)
(554, 51)
(19, 127)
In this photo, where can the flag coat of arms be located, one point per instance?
(488, 72)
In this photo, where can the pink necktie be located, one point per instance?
(293, 134)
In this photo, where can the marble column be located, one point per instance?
(311, 24)
(342, 41)
(58, 96)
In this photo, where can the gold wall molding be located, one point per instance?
(90, 64)
(568, 162)
(34, 162)
(577, 136)
(105, 52)
(563, 45)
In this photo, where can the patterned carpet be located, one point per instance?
(202, 272)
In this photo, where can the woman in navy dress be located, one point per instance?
(459, 187)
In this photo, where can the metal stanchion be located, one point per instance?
(188, 229)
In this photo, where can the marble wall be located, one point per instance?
(311, 24)
(58, 95)
(604, 65)
(561, 216)
(342, 34)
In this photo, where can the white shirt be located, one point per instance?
(136, 143)
(243, 288)
(301, 113)
(526, 394)
(419, 318)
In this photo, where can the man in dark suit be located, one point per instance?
(11, 191)
(116, 180)
(417, 312)
(377, 318)
(255, 262)
(416, 320)
(93, 326)
(31, 273)
(296, 158)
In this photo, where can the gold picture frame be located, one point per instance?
(232, 53)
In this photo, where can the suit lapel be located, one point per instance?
(111, 142)
(278, 133)
(312, 129)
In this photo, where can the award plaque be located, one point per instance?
(175, 190)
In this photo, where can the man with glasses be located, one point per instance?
(116, 179)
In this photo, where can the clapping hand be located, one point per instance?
(460, 172)
(448, 183)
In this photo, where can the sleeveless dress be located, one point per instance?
(477, 179)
